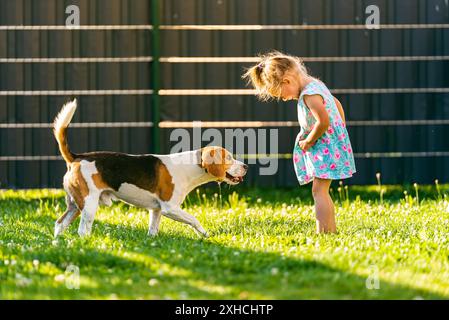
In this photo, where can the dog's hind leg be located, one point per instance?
(88, 213)
(180, 215)
(68, 217)
(155, 219)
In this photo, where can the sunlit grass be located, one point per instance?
(262, 245)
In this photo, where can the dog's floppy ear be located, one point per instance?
(212, 160)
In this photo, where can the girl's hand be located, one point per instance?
(305, 145)
(316, 105)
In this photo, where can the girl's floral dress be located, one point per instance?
(331, 156)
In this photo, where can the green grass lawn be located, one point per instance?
(262, 245)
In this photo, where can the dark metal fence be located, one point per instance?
(139, 73)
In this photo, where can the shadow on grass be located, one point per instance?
(192, 268)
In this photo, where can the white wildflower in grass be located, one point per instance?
(22, 281)
(59, 278)
(152, 282)
(378, 177)
(379, 184)
(35, 263)
(437, 185)
(415, 185)
(274, 271)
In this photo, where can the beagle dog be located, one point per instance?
(158, 183)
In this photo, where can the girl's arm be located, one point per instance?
(316, 105)
(340, 109)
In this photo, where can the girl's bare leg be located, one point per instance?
(324, 206)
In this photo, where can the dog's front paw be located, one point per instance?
(59, 228)
(200, 230)
(83, 232)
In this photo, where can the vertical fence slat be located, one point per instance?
(155, 76)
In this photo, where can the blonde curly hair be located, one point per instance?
(266, 76)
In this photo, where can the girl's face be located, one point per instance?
(290, 87)
(289, 90)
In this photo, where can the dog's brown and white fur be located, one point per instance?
(158, 183)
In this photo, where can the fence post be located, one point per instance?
(155, 76)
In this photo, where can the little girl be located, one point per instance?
(322, 151)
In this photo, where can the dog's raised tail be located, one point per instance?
(60, 126)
